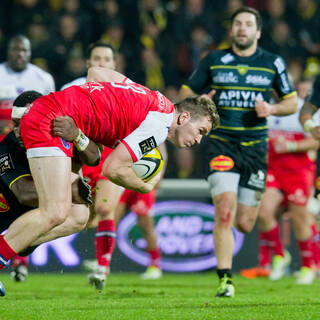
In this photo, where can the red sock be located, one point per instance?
(264, 251)
(155, 256)
(273, 237)
(306, 252)
(17, 260)
(315, 245)
(105, 241)
(6, 252)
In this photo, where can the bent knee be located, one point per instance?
(245, 226)
(105, 210)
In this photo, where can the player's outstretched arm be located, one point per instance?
(99, 74)
(66, 128)
(117, 168)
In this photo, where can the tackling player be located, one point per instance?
(17, 190)
(242, 78)
(119, 114)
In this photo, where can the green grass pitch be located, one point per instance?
(175, 296)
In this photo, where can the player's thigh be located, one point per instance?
(107, 196)
(52, 178)
(270, 202)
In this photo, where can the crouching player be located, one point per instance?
(18, 193)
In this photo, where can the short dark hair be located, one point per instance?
(199, 107)
(249, 10)
(98, 44)
(26, 97)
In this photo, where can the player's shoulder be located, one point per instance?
(39, 72)
(9, 142)
(218, 56)
(3, 68)
(276, 61)
(75, 82)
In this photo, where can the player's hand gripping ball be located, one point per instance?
(149, 165)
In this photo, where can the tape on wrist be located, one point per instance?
(309, 125)
(18, 112)
(291, 146)
(81, 141)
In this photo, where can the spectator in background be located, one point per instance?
(190, 53)
(25, 12)
(83, 19)
(307, 25)
(191, 13)
(107, 12)
(67, 41)
(17, 74)
(279, 40)
(275, 11)
(115, 35)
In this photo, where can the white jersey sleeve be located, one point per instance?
(151, 133)
(76, 82)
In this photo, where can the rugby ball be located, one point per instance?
(149, 165)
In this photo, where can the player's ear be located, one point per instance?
(183, 117)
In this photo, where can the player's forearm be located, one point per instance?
(285, 106)
(306, 112)
(124, 176)
(306, 145)
(91, 155)
(98, 74)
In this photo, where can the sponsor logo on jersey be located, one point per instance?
(298, 197)
(242, 69)
(257, 180)
(239, 98)
(4, 206)
(65, 143)
(225, 77)
(279, 65)
(147, 145)
(221, 163)
(227, 58)
(285, 84)
(257, 80)
(93, 86)
(184, 236)
(5, 163)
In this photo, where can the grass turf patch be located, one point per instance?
(174, 296)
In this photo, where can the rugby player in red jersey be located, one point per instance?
(120, 114)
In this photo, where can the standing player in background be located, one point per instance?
(235, 154)
(290, 185)
(17, 74)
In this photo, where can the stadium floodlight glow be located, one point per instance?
(184, 231)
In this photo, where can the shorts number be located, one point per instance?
(129, 86)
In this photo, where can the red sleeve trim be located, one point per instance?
(124, 80)
(133, 156)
